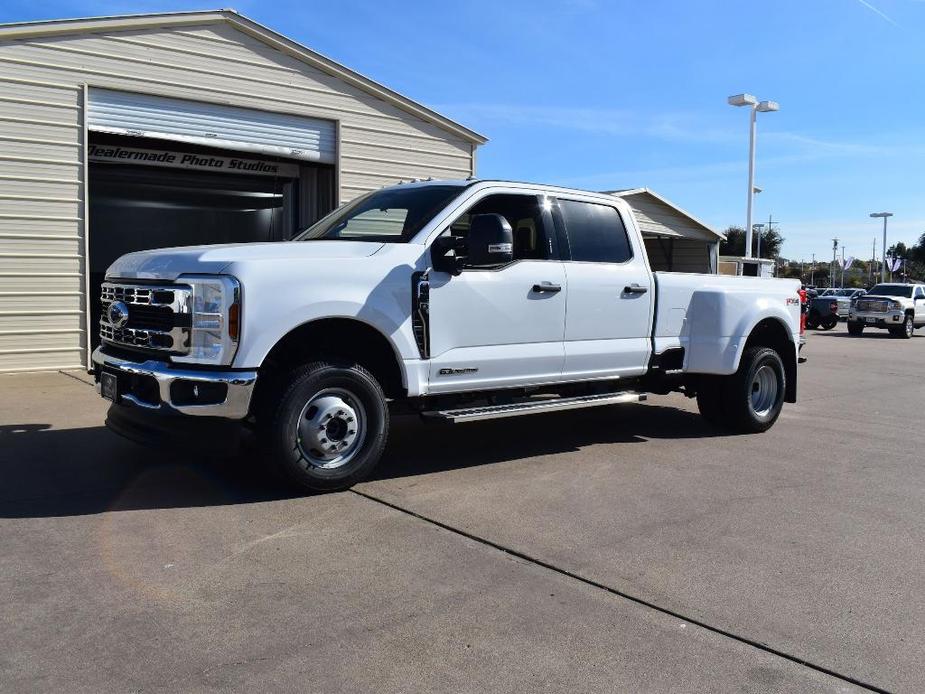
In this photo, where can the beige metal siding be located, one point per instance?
(654, 217)
(41, 244)
(41, 152)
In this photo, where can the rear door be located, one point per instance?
(610, 292)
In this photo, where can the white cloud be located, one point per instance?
(878, 12)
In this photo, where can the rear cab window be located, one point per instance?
(594, 232)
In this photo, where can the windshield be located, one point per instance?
(394, 215)
(892, 290)
(846, 292)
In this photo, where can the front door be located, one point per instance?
(607, 329)
(919, 299)
(503, 326)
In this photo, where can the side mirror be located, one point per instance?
(440, 256)
(491, 241)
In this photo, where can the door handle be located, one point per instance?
(634, 289)
(547, 287)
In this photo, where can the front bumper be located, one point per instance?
(156, 385)
(878, 318)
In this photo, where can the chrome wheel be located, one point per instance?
(909, 326)
(332, 428)
(765, 388)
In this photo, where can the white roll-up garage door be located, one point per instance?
(214, 125)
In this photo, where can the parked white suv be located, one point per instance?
(900, 308)
(456, 300)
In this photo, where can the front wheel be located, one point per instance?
(829, 322)
(329, 429)
(754, 395)
(906, 329)
(855, 327)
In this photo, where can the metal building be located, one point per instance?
(676, 241)
(144, 131)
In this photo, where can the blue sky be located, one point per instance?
(607, 95)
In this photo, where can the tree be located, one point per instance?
(771, 242)
(917, 252)
(898, 250)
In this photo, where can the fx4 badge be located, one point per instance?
(456, 372)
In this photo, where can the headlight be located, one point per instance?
(895, 305)
(215, 319)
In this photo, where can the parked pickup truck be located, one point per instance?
(456, 300)
(900, 308)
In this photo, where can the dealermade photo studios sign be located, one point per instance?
(186, 160)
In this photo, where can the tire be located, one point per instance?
(328, 430)
(829, 322)
(905, 330)
(710, 401)
(754, 395)
(855, 327)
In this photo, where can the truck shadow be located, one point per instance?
(66, 472)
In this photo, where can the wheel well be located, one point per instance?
(336, 339)
(772, 333)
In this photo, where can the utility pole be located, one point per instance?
(843, 266)
(873, 262)
(769, 227)
(812, 272)
(834, 260)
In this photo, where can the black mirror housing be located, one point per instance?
(491, 241)
(441, 259)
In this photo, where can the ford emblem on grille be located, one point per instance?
(118, 314)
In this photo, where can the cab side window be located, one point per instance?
(528, 220)
(595, 232)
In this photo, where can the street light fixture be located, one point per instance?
(755, 107)
(885, 215)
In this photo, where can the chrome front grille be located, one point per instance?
(156, 317)
(872, 306)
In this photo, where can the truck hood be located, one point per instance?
(170, 263)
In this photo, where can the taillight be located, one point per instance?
(802, 293)
(834, 307)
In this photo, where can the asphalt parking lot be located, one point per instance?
(619, 549)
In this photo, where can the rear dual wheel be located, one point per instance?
(750, 400)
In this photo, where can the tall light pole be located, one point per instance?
(885, 216)
(754, 106)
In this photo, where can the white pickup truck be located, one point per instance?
(456, 300)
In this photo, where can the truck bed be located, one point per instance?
(709, 316)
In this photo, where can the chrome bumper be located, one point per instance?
(891, 317)
(240, 386)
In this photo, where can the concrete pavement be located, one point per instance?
(614, 549)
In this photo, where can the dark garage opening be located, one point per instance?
(137, 207)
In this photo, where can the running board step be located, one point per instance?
(475, 414)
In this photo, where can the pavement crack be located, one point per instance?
(619, 593)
